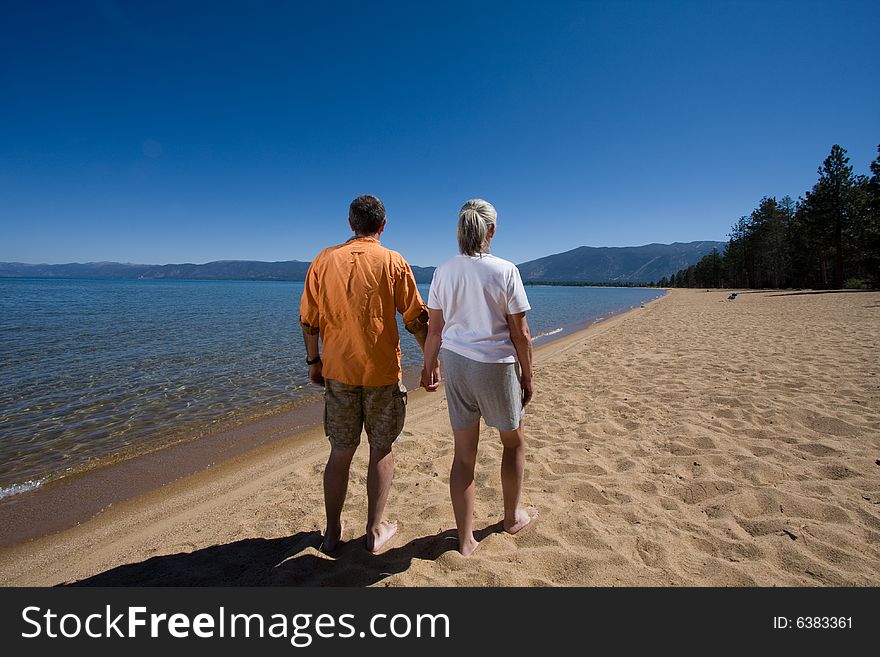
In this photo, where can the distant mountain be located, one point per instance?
(292, 270)
(588, 264)
(423, 274)
(248, 270)
(73, 270)
(625, 264)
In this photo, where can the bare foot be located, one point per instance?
(522, 518)
(467, 546)
(331, 540)
(378, 536)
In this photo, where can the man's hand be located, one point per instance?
(526, 385)
(316, 374)
(431, 381)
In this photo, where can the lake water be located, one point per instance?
(90, 369)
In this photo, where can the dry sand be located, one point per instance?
(695, 441)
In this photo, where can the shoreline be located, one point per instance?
(68, 501)
(696, 442)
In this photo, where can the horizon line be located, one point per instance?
(208, 262)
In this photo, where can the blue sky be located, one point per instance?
(158, 132)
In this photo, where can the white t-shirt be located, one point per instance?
(476, 294)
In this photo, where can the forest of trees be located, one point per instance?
(827, 239)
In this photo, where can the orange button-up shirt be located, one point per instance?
(351, 294)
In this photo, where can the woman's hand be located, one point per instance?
(431, 381)
(526, 385)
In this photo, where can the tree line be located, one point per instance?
(827, 239)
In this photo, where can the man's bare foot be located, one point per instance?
(522, 518)
(467, 546)
(379, 535)
(332, 539)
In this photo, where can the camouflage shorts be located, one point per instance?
(348, 409)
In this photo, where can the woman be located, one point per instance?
(477, 308)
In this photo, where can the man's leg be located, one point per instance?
(379, 477)
(384, 416)
(461, 485)
(335, 488)
(513, 460)
(342, 424)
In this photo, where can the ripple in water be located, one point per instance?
(92, 368)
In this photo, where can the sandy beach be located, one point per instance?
(695, 441)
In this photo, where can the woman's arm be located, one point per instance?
(522, 342)
(431, 372)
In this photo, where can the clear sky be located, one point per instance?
(157, 132)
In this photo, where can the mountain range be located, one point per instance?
(613, 264)
(585, 264)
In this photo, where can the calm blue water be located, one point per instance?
(91, 368)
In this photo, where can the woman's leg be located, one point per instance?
(513, 461)
(461, 485)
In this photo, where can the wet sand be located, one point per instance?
(695, 441)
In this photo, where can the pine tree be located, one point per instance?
(870, 233)
(828, 208)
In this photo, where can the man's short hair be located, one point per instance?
(366, 215)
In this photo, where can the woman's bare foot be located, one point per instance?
(379, 535)
(332, 539)
(522, 518)
(467, 546)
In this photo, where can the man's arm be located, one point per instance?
(419, 328)
(409, 304)
(522, 342)
(311, 337)
(431, 371)
(310, 320)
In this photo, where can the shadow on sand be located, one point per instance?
(280, 562)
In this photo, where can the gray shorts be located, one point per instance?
(487, 390)
(348, 410)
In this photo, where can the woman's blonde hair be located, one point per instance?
(475, 219)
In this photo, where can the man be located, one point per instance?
(351, 294)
